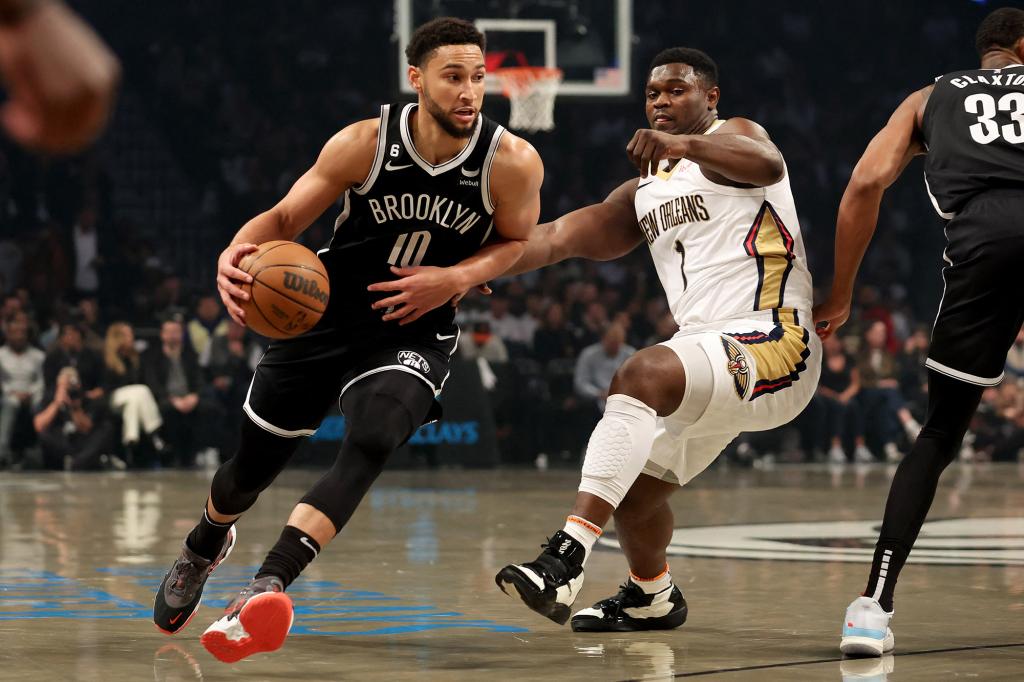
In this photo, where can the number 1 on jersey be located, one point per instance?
(681, 250)
(410, 249)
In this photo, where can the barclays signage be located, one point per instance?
(332, 429)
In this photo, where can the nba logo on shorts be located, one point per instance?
(414, 360)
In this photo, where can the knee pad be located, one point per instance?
(618, 448)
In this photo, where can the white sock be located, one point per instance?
(586, 532)
(618, 448)
(658, 583)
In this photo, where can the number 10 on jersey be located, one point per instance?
(410, 249)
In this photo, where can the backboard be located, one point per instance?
(589, 40)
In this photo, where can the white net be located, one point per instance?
(531, 91)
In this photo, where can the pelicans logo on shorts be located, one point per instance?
(738, 368)
(414, 360)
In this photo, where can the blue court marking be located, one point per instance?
(28, 594)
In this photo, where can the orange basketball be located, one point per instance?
(289, 289)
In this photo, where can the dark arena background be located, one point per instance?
(112, 252)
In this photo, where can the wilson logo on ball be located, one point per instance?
(304, 286)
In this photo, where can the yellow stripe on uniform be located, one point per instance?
(780, 355)
(771, 244)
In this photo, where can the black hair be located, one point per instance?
(1002, 28)
(438, 33)
(702, 65)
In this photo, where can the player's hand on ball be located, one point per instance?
(420, 290)
(230, 279)
(830, 316)
(648, 148)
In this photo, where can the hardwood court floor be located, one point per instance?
(771, 560)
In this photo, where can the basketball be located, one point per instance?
(289, 289)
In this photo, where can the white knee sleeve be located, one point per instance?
(618, 448)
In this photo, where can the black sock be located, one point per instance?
(885, 569)
(292, 553)
(207, 538)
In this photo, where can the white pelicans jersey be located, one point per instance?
(721, 252)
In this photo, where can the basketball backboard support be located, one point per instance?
(590, 40)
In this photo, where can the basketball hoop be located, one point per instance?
(532, 91)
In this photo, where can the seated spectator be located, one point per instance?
(172, 373)
(21, 376)
(913, 375)
(88, 314)
(839, 416)
(483, 343)
(513, 327)
(74, 430)
(130, 398)
(597, 365)
(592, 325)
(70, 351)
(880, 399)
(208, 324)
(553, 340)
(233, 359)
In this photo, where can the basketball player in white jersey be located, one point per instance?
(714, 206)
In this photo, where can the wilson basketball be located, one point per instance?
(289, 290)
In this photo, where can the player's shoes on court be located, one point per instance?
(257, 620)
(866, 629)
(632, 609)
(549, 584)
(181, 591)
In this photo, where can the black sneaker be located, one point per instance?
(549, 584)
(632, 609)
(181, 591)
(257, 620)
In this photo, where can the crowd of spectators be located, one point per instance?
(116, 353)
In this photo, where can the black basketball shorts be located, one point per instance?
(982, 306)
(298, 380)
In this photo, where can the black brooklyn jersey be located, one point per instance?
(974, 128)
(409, 212)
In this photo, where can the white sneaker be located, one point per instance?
(892, 453)
(836, 455)
(862, 455)
(866, 629)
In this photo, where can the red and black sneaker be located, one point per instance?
(182, 588)
(257, 620)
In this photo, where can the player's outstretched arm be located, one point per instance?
(516, 177)
(597, 232)
(344, 162)
(882, 162)
(739, 152)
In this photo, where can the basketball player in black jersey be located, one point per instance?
(970, 124)
(432, 193)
